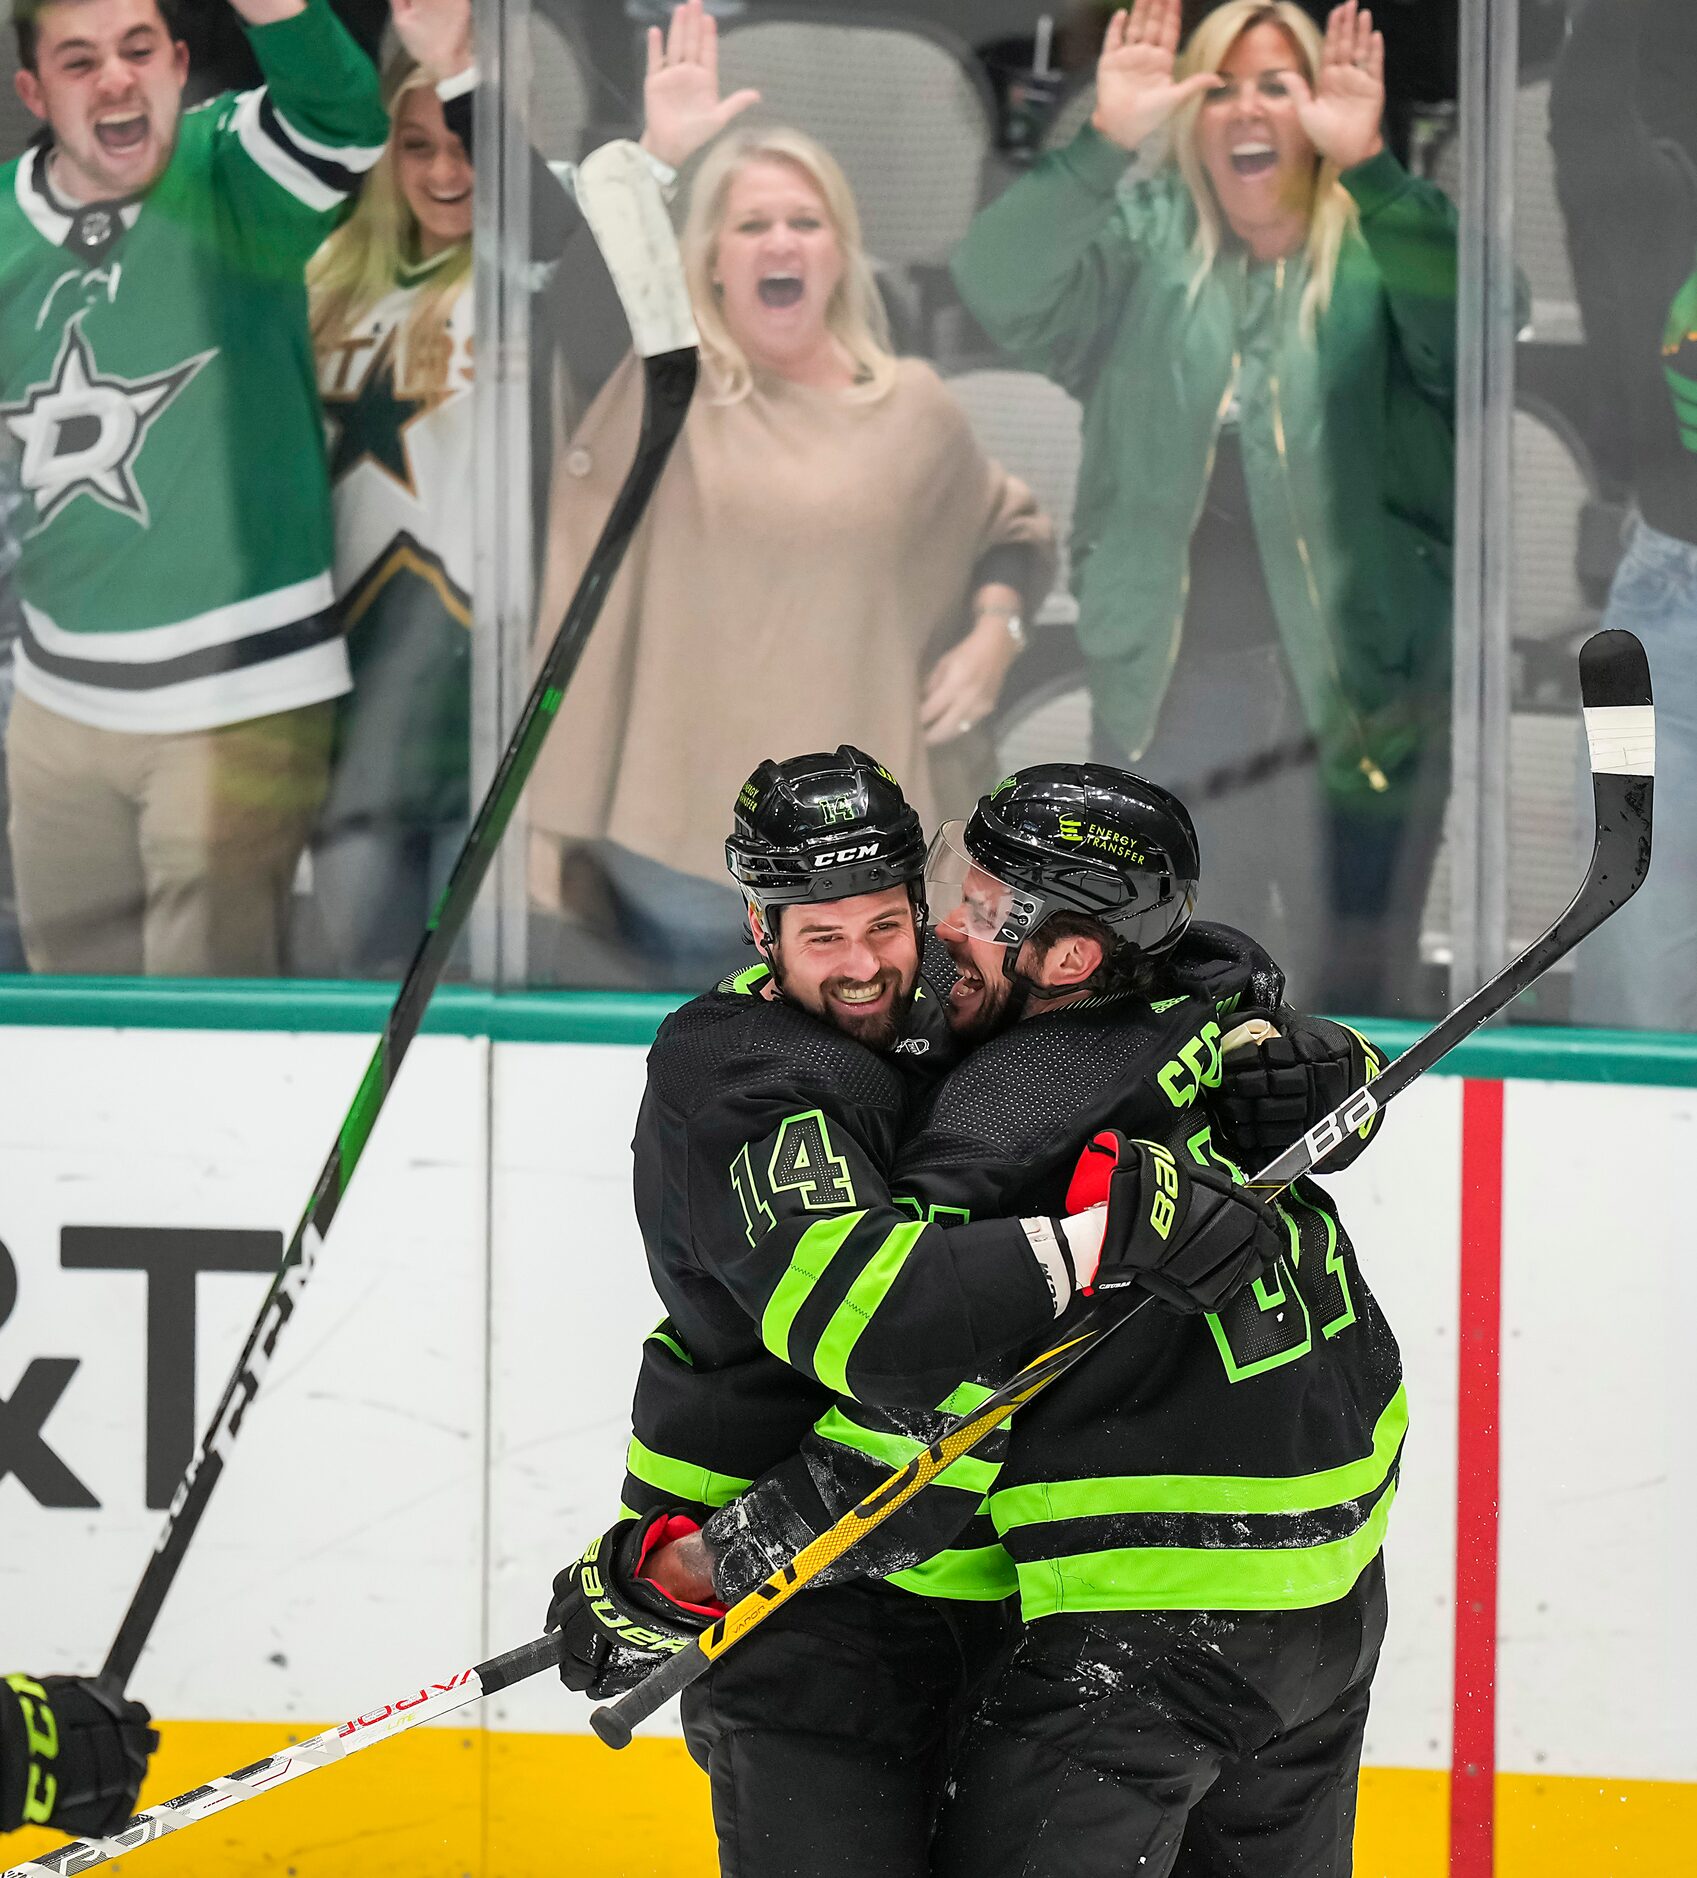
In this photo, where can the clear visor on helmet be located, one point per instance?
(967, 902)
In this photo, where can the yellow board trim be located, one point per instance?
(463, 1803)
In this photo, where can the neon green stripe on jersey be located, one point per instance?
(969, 1472)
(813, 1254)
(660, 1334)
(979, 1574)
(1184, 1578)
(1208, 1493)
(851, 1318)
(969, 1396)
(682, 1478)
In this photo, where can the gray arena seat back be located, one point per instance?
(1540, 234)
(559, 91)
(1549, 818)
(901, 106)
(17, 126)
(1050, 724)
(1553, 482)
(1034, 429)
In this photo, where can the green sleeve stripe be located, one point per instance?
(1186, 1578)
(975, 1476)
(969, 1396)
(682, 1479)
(851, 1318)
(1208, 1493)
(663, 1335)
(813, 1253)
(979, 1574)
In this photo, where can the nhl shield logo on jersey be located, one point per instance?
(83, 430)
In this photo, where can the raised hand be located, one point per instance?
(435, 33)
(681, 93)
(1135, 91)
(1344, 115)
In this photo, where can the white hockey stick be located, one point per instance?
(382, 1723)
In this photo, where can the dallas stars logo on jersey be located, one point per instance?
(83, 429)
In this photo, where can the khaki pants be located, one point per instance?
(166, 853)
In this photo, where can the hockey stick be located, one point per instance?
(382, 1723)
(621, 202)
(1614, 684)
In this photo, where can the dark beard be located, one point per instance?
(1002, 1004)
(878, 1030)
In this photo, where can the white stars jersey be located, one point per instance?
(156, 374)
(398, 417)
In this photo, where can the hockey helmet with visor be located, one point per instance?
(1067, 837)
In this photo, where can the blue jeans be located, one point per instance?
(1639, 972)
(376, 885)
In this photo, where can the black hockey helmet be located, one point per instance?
(1076, 837)
(824, 827)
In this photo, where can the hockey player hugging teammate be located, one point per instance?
(170, 741)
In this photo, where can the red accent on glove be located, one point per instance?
(663, 1532)
(1090, 1178)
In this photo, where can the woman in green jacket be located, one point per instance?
(1262, 334)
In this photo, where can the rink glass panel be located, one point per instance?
(933, 115)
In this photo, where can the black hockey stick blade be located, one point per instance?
(1614, 685)
(621, 201)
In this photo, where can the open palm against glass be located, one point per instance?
(1344, 113)
(1135, 89)
(1137, 93)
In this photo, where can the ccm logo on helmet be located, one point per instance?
(841, 857)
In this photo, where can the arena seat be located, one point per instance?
(902, 106)
(1034, 429)
(1540, 234)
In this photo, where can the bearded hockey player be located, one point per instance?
(72, 1756)
(1064, 901)
(827, 1743)
(171, 736)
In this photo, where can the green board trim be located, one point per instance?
(1657, 1058)
(630, 1017)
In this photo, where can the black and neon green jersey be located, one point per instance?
(1245, 1460)
(790, 1278)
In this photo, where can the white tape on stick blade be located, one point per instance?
(620, 198)
(1622, 738)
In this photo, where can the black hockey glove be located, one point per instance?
(615, 1624)
(1273, 1092)
(72, 1755)
(1224, 966)
(1190, 1235)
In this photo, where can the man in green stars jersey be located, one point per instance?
(170, 741)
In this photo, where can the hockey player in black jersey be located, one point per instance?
(72, 1756)
(798, 1291)
(1195, 1514)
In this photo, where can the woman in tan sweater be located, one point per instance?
(829, 558)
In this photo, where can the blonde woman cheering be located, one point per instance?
(829, 557)
(1263, 336)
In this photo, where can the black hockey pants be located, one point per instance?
(1189, 1744)
(827, 1733)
